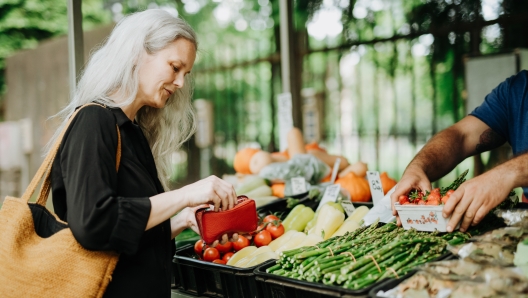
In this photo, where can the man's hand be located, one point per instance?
(474, 199)
(413, 178)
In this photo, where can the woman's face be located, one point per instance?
(161, 74)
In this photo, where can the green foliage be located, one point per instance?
(23, 23)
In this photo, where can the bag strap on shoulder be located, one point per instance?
(45, 167)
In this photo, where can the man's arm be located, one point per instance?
(476, 197)
(444, 151)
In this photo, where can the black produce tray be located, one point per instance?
(271, 285)
(200, 278)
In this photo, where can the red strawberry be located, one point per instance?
(446, 197)
(403, 199)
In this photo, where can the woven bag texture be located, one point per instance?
(56, 266)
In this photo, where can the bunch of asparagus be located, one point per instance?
(359, 259)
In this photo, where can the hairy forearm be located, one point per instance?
(514, 172)
(440, 155)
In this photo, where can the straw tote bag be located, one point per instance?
(39, 257)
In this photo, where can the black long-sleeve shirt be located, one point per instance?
(109, 210)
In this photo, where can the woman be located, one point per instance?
(140, 75)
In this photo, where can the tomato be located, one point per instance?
(227, 256)
(211, 254)
(275, 231)
(199, 247)
(219, 261)
(227, 247)
(270, 218)
(403, 199)
(240, 243)
(262, 238)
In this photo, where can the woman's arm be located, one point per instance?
(211, 190)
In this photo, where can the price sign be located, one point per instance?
(330, 195)
(348, 207)
(375, 186)
(298, 185)
(284, 115)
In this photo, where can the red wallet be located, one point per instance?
(242, 218)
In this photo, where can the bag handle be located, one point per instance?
(45, 167)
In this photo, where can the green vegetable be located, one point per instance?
(287, 221)
(299, 222)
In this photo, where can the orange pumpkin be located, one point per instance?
(277, 190)
(387, 182)
(242, 158)
(358, 187)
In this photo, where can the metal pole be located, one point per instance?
(290, 84)
(284, 11)
(75, 42)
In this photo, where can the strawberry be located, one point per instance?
(446, 197)
(403, 199)
(421, 202)
(433, 202)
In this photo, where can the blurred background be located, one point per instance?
(375, 78)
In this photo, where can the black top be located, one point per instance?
(107, 210)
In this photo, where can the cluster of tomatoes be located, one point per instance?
(271, 228)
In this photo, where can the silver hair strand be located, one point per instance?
(112, 71)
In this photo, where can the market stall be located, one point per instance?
(312, 236)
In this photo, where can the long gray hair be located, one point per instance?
(112, 71)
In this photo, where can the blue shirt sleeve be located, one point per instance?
(494, 111)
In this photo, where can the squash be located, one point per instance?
(358, 187)
(242, 159)
(387, 183)
(295, 142)
(313, 146)
(280, 156)
(359, 168)
(277, 190)
(258, 161)
(329, 159)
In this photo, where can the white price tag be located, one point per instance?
(298, 185)
(330, 195)
(348, 207)
(375, 186)
(285, 118)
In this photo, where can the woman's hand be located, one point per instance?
(187, 219)
(411, 179)
(211, 190)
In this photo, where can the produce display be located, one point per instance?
(484, 269)
(362, 257)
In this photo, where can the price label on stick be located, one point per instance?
(284, 115)
(298, 185)
(375, 186)
(330, 195)
(348, 207)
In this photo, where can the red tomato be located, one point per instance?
(227, 247)
(270, 218)
(211, 254)
(240, 243)
(227, 256)
(275, 231)
(262, 238)
(219, 261)
(198, 247)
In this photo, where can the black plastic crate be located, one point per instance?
(200, 278)
(274, 286)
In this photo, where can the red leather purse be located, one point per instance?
(242, 218)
